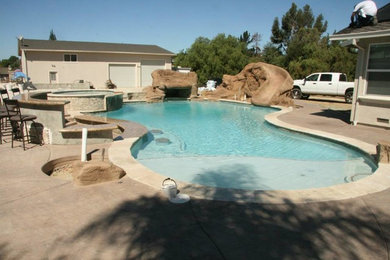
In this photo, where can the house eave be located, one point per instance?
(111, 52)
(361, 35)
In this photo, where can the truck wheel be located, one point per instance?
(348, 96)
(296, 93)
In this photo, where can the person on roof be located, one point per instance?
(363, 14)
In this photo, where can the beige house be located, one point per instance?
(128, 66)
(371, 101)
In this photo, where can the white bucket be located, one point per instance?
(169, 189)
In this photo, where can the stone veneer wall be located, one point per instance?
(56, 86)
(81, 103)
(93, 103)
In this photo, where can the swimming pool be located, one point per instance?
(231, 146)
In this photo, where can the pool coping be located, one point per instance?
(119, 154)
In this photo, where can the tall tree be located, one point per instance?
(210, 59)
(297, 45)
(292, 21)
(52, 36)
(245, 37)
(256, 38)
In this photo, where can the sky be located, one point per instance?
(171, 24)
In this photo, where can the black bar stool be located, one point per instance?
(19, 122)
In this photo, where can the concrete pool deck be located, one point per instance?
(48, 218)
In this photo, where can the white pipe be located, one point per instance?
(84, 145)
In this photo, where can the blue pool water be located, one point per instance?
(230, 145)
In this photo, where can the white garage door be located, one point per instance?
(123, 76)
(147, 67)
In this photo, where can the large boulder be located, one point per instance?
(93, 172)
(383, 152)
(264, 84)
(173, 80)
(154, 94)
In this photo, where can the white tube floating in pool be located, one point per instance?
(84, 145)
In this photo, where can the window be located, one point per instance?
(326, 77)
(378, 71)
(313, 77)
(53, 77)
(70, 57)
(342, 77)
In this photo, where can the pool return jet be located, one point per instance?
(169, 188)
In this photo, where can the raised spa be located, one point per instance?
(231, 146)
(89, 100)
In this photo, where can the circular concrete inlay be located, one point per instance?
(61, 167)
(83, 173)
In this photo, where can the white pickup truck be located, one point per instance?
(323, 83)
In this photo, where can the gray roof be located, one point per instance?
(365, 29)
(46, 45)
(383, 25)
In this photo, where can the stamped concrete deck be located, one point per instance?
(48, 218)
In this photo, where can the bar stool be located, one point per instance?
(19, 122)
(3, 113)
(3, 118)
(15, 91)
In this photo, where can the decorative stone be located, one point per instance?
(383, 152)
(264, 84)
(93, 172)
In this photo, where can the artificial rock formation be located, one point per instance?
(154, 94)
(93, 172)
(264, 84)
(174, 83)
(383, 152)
(174, 79)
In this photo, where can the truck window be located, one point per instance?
(343, 77)
(326, 77)
(313, 77)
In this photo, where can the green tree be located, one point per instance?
(52, 36)
(298, 46)
(210, 59)
(292, 22)
(252, 44)
(273, 55)
(341, 60)
(246, 38)
(12, 61)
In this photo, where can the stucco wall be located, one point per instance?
(369, 109)
(91, 67)
(50, 117)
